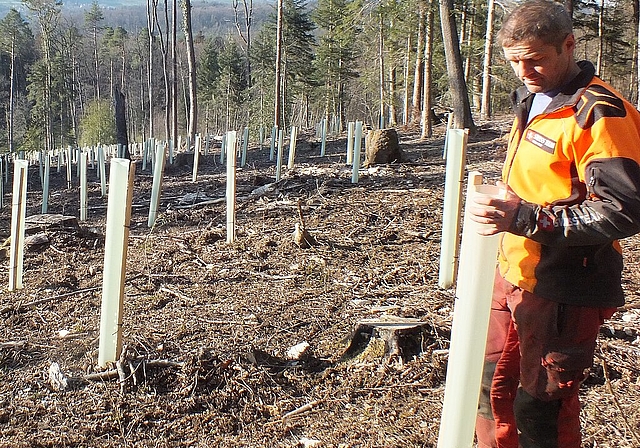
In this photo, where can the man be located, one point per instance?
(572, 177)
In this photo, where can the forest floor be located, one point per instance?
(209, 327)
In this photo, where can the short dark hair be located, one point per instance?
(546, 20)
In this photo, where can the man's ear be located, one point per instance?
(569, 43)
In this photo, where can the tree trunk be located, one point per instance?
(407, 69)
(278, 80)
(426, 94)
(599, 67)
(485, 106)
(419, 68)
(392, 96)
(164, 44)
(151, 11)
(466, 31)
(246, 36)
(191, 61)
(121, 121)
(96, 60)
(568, 5)
(461, 108)
(12, 92)
(174, 75)
(381, 122)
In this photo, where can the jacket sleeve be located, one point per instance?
(605, 142)
(611, 210)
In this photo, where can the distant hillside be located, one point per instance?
(208, 17)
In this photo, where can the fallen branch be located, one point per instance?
(301, 410)
(176, 293)
(24, 306)
(112, 374)
(200, 204)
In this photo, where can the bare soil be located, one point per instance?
(208, 325)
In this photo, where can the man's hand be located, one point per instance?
(495, 215)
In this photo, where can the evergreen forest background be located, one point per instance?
(380, 61)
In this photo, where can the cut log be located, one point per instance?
(37, 223)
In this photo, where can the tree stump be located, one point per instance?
(389, 337)
(184, 159)
(382, 147)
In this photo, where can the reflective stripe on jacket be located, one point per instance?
(576, 167)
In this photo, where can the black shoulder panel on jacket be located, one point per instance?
(598, 102)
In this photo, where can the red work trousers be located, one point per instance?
(538, 353)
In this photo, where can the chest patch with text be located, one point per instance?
(539, 140)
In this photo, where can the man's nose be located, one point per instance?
(523, 68)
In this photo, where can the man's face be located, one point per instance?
(540, 66)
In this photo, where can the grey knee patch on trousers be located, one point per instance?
(537, 420)
(484, 404)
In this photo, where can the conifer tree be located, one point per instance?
(16, 39)
(336, 52)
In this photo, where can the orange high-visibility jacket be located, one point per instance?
(577, 169)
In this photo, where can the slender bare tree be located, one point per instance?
(426, 93)
(247, 10)
(278, 81)
(485, 105)
(174, 73)
(151, 24)
(191, 63)
(599, 67)
(460, 98)
(419, 67)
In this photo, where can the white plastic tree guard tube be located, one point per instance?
(223, 148)
(83, 185)
(245, 146)
(357, 146)
(478, 256)
(272, 148)
(261, 137)
(45, 183)
(323, 147)
(102, 169)
(292, 147)
(115, 257)
(454, 176)
(69, 162)
(76, 160)
(231, 186)
(156, 188)
(145, 153)
(41, 166)
(351, 127)
(446, 135)
(18, 212)
(279, 157)
(196, 157)
(153, 148)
